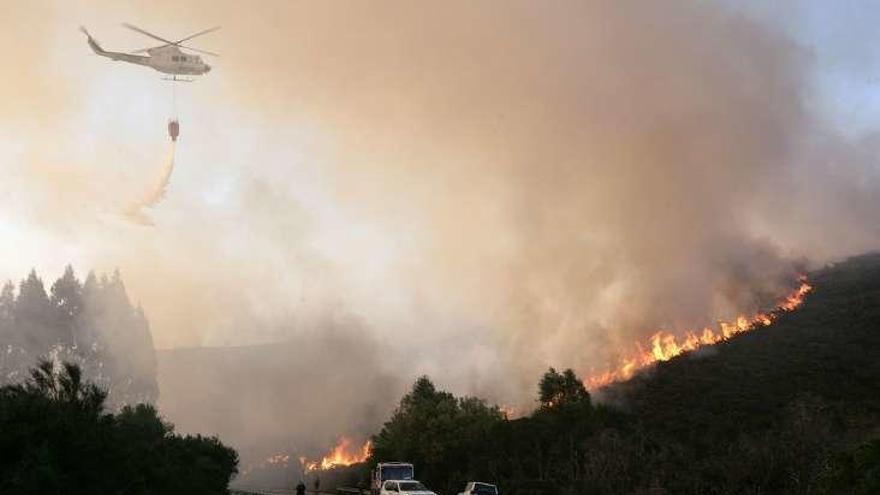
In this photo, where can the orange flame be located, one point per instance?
(341, 455)
(664, 346)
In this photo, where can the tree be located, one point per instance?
(58, 438)
(562, 389)
(86, 335)
(115, 334)
(65, 386)
(7, 314)
(67, 301)
(93, 323)
(441, 434)
(33, 314)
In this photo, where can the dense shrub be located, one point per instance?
(56, 437)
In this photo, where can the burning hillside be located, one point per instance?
(793, 409)
(663, 346)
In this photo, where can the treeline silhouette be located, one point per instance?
(793, 408)
(57, 438)
(91, 323)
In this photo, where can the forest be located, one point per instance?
(78, 376)
(91, 323)
(791, 408)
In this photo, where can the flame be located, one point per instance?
(663, 346)
(342, 455)
(510, 412)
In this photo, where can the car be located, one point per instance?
(479, 488)
(404, 487)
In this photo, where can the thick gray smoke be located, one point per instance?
(489, 187)
(294, 398)
(570, 177)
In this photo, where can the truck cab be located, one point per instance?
(386, 471)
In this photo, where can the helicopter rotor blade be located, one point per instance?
(198, 50)
(145, 33)
(206, 31)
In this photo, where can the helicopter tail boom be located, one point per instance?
(125, 57)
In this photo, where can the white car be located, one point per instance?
(405, 487)
(477, 488)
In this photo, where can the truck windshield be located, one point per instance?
(484, 489)
(397, 472)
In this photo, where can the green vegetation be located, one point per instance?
(856, 471)
(436, 431)
(790, 408)
(454, 440)
(57, 439)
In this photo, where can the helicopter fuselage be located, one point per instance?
(171, 60)
(165, 59)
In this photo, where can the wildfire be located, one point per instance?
(510, 412)
(342, 455)
(663, 346)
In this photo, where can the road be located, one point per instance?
(291, 491)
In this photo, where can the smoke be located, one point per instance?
(152, 196)
(489, 188)
(294, 397)
(565, 180)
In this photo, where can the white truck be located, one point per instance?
(411, 487)
(390, 471)
(478, 488)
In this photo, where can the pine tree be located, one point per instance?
(67, 302)
(92, 323)
(117, 336)
(85, 327)
(7, 315)
(33, 315)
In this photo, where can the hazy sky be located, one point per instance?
(842, 39)
(485, 183)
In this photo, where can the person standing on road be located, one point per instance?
(300, 488)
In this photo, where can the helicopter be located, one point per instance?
(167, 58)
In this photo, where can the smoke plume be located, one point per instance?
(488, 188)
